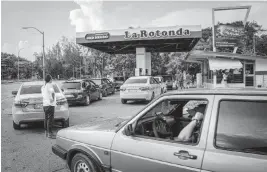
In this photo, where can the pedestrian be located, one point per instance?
(188, 80)
(224, 79)
(49, 103)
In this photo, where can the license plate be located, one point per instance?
(68, 96)
(38, 106)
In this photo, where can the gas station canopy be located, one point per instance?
(162, 39)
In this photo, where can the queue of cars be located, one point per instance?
(27, 106)
(231, 136)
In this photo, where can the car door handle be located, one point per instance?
(184, 155)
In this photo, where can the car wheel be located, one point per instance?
(16, 126)
(87, 100)
(100, 96)
(161, 92)
(123, 101)
(66, 123)
(81, 162)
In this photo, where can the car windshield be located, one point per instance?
(136, 81)
(118, 79)
(167, 78)
(72, 85)
(157, 79)
(97, 81)
(34, 89)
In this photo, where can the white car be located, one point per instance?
(139, 88)
(28, 105)
(162, 83)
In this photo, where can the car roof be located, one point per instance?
(222, 91)
(36, 83)
(139, 77)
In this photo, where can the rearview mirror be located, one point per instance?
(14, 93)
(128, 130)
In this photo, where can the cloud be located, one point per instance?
(203, 16)
(88, 17)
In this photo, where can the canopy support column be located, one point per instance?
(143, 62)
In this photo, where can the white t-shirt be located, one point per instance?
(47, 91)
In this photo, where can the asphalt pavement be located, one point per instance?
(28, 150)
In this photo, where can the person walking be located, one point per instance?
(49, 104)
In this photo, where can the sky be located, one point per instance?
(64, 18)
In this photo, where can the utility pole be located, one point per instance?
(18, 61)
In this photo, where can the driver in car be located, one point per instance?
(187, 131)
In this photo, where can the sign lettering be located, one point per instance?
(97, 36)
(156, 34)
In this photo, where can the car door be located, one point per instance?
(97, 89)
(134, 153)
(91, 90)
(157, 86)
(237, 135)
(110, 86)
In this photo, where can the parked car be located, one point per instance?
(162, 83)
(118, 82)
(170, 82)
(139, 88)
(28, 105)
(233, 130)
(81, 91)
(106, 86)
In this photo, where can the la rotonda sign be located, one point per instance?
(144, 34)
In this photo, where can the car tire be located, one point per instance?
(16, 126)
(100, 96)
(123, 101)
(87, 100)
(66, 123)
(105, 93)
(161, 91)
(83, 163)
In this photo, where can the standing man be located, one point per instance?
(49, 103)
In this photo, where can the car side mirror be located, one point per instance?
(128, 130)
(14, 93)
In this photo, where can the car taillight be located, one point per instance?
(144, 88)
(62, 101)
(21, 104)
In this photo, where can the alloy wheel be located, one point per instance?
(81, 166)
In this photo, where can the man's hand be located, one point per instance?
(198, 116)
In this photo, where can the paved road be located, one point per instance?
(28, 150)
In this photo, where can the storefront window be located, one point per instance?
(233, 76)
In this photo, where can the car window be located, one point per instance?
(71, 85)
(35, 89)
(241, 126)
(92, 83)
(136, 81)
(155, 81)
(176, 115)
(97, 81)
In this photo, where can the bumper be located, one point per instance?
(74, 101)
(142, 95)
(59, 151)
(20, 117)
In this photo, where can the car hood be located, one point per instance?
(99, 133)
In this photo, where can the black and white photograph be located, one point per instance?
(133, 86)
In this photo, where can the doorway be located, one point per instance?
(249, 74)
